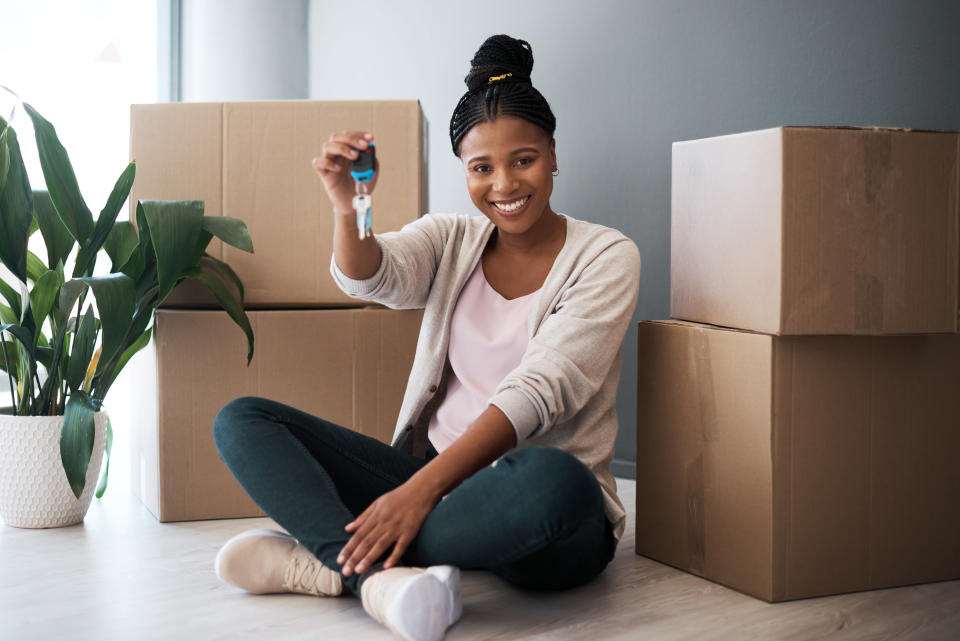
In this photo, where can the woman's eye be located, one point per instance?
(481, 169)
(524, 161)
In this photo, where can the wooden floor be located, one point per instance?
(123, 575)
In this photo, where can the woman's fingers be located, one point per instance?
(366, 541)
(356, 139)
(398, 549)
(323, 164)
(373, 553)
(334, 150)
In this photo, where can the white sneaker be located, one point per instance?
(416, 604)
(267, 561)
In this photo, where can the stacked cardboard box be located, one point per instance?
(350, 366)
(799, 430)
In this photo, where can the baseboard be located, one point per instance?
(624, 469)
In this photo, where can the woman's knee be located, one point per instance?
(232, 421)
(560, 480)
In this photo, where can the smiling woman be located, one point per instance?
(500, 459)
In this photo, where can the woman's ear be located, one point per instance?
(553, 154)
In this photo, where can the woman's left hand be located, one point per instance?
(393, 519)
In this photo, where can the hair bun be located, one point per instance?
(498, 56)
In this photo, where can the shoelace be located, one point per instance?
(301, 575)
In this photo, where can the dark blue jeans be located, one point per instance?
(535, 518)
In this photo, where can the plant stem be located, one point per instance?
(69, 353)
(6, 364)
(39, 388)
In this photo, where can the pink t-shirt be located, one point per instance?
(488, 336)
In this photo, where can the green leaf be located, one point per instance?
(76, 440)
(116, 301)
(22, 334)
(15, 207)
(69, 294)
(102, 486)
(121, 244)
(35, 267)
(87, 256)
(232, 231)
(82, 350)
(228, 301)
(174, 227)
(4, 158)
(7, 315)
(103, 386)
(147, 256)
(61, 181)
(56, 236)
(43, 295)
(9, 348)
(45, 356)
(228, 272)
(13, 298)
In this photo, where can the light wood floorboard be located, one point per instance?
(123, 575)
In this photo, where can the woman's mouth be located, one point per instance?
(511, 207)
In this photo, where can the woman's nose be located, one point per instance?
(504, 182)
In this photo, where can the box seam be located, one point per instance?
(781, 329)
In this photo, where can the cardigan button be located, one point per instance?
(433, 388)
(409, 427)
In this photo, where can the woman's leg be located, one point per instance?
(536, 519)
(309, 475)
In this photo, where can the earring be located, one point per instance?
(556, 172)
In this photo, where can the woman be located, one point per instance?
(501, 457)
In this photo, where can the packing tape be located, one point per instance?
(867, 304)
(703, 377)
(696, 528)
(876, 161)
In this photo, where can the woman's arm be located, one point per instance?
(395, 518)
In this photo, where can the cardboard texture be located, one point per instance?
(349, 367)
(798, 466)
(252, 160)
(803, 230)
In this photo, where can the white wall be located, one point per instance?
(243, 50)
(627, 78)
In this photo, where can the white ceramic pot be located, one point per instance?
(34, 492)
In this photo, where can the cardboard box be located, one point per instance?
(798, 466)
(346, 366)
(252, 160)
(807, 230)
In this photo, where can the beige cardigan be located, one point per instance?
(563, 392)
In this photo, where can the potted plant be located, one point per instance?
(66, 333)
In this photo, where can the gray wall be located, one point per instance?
(625, 79)
(242, 50)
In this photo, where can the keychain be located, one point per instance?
(362, 169)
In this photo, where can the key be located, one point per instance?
(363, 204)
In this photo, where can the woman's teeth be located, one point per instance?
(512, 205)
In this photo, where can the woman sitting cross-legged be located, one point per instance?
(501, 456)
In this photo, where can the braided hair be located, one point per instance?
(499, 85)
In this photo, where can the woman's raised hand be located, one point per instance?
(333, 167)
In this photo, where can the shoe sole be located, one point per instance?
(244, 535)
(422, 610)
(449, 576)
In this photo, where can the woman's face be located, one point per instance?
(508, 164)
